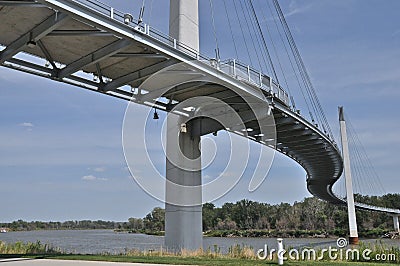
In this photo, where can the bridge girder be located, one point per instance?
(33, 35)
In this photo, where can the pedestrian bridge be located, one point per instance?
(91, 45)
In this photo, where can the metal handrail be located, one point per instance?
(250, 75)
(236, 69)
(376, 208)
(371, 207)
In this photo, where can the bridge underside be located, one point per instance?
(73, 43)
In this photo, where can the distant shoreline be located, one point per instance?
(369, 234)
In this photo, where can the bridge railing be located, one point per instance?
(250, 75)
(376, 208)
(371, 207)
(233, 68)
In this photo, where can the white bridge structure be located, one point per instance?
(71, 41)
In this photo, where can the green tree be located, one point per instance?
(155, 220)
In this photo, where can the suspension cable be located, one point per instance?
(241, 29)
(263, 40)
(258, 38)
(231, 31)
(366, 168)
(297, 57)
(303, 71)
(214, 30)
(141, 13)
(288, 56)
(250, 34)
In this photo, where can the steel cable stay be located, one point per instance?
(250, 32)
(217, 57)
(278, 30)
(314, 114)
(290, 42)
(263, 41)
(254, 32)
(141, 13)
(315, 103)
(274, 49)
(358, 165)
(243, 35)
(366, 181)
(231, 30)
(273, 46)
(264, 52)
(366, 168)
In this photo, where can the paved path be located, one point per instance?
(34, 262)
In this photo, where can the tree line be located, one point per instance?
(250, 218)
(309, 217)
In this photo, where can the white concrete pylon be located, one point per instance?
(396, 223)
(353, 239)
(184, 22)
(183, 219)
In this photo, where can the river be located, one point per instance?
(107, 241)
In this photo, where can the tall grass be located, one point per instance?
(236, 251)
(27, 248)
(239, 252)
(243, 252)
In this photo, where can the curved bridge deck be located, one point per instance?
(87, 44)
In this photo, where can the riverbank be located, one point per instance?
(237, 255)
(367, 234)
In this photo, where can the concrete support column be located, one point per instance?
(184, 22)
(396, 223)
(183, 208)
(349, 184)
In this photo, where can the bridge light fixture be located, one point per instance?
(31, 44)
(189, 109)
(183, 128)
(128, 18)
(155, 115)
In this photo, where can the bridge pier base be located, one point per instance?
(396, 223)
(183, 207)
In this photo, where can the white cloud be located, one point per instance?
(295, 9)
(99, 169)
(93, 178)
(26, 124)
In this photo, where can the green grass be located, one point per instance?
(194, 260)
(237, 255)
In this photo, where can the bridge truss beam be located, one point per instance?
(32, 36)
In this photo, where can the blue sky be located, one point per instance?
(61, 150)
